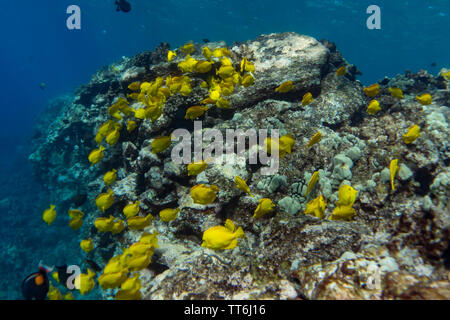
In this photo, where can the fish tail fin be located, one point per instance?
(45, 268)
(240, 233)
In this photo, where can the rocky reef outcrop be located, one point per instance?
(397, 245)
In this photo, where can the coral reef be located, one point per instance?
(395, 247)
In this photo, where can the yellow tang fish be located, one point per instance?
(393, 168)
(170, 55)
(105, 200)
(396, 93)
(285, 87)
(203, 67)
(69, 296)
(222, 237)
(96, 155)
(131, 209)
(315, 139)
(195, 111)
(113, 137)
(75, 224)
(373, 107)
(169, 214)
(134, 86)
(347, 195)
(54, 293)
(99, 138)
(76, 219)
(264, 207)
(312, 182)
(139, 223)
(118, 226)
(372, 90)
(247, 65)
(223, 103)
(343, 213)
(196, 168)
(284, 145)
(341, 71)
(185, 89)
(424, 99)
(225, 72)
(202, 194)
(307, 99)
(87, 245)
(104, 224)
(412, 134)
(131, 125)
(247, 81)
(242, 185)
(130, 289)
(188, 48)
(85, 282)
(49, 215)
(161, 143)
(207, 53)
(132, 284)
(112, 280)
(110, 177)
(446, 75)
(316, 207)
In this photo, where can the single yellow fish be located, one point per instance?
(372, 90)
(87, 245)
(412, 134)
(202, 194)
(316, 207)
(96, 155)
(315, 139)
(396, 93)
(393, 168)
(242, 185)
(134, 86)
(85, 282)
(285, 87)
(139, 223)
(264, 207)
(195, 168)
(341, 71)
(373, 107)
(424, 99)
(312, 182)
(171, 55)
(105, 200)
(194, 112)
(110, 177)
(132, 209)
(307, 99)
(161, 143)
(169, 214)
(222, 237)
(49, 215)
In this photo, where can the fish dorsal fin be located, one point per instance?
(230, 225)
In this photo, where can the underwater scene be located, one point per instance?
(219, 150)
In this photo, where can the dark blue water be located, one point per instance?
(38, 48)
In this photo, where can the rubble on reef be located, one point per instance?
(395, 247)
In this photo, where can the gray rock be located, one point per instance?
(289, 205)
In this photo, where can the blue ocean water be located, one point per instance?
(38, 48)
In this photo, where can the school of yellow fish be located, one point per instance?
(222, 78)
